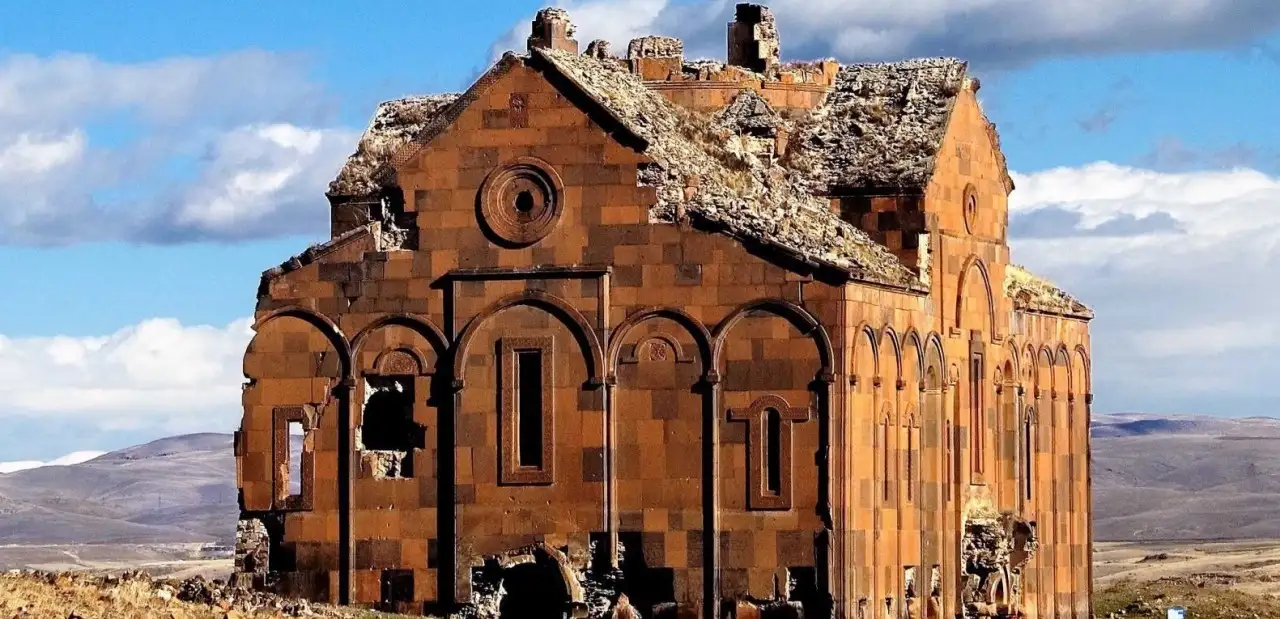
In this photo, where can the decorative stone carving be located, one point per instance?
(520, 203)
(995, 549)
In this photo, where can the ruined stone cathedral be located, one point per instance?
(633, 335)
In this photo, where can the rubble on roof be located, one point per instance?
(708, 70)
(749, 113)
(655, 47)
(394, 124)
(881, 125)
(1030, 292)
(758, 203)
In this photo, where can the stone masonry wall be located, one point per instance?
(723, 428)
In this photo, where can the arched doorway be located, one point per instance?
(534, 591)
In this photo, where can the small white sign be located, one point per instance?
(1176, 612)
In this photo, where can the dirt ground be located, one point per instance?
(1214, 580)
(1247, 566)
(179, 561)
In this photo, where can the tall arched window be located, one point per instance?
(1028, 452)
(977, 419)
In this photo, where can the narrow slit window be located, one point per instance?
(1029, 452)
(294, 458)
(884, 457)
(527, 411)
(947, 463)
(773, 446)
(977, 428)
(911, 462)
(529, 407)
(771, 423)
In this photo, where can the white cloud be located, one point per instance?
(232, 88)
(158, 373)
(1185, 312)
(222, 147)
(995, 31)
(29, 154)
(268, 178)
(76, 457)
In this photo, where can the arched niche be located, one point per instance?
(293, 364)
(661, 416)
(528, 425)
(773, 351)
(975, 307)
(397, 398)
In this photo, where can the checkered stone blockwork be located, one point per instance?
(615, 406)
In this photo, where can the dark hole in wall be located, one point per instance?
(529, 406)
(524, 202)
(804, 598)
(388, 419)
(397, 588)
(280, 557)
(534, 591)
(649, 589)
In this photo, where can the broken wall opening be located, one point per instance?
(649, 590)
(995, 549)
(530, 583)
(388, 434)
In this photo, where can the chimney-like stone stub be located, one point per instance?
(599, 49)
(753, 39)
(553, 30)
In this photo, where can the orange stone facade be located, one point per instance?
(589, 398)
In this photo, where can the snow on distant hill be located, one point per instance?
(75, 457)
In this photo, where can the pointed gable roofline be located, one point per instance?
(700, 180)
(362, 177)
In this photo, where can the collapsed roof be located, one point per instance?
(879, 128)
(881, 125)
(394, 124)
(1031, 292)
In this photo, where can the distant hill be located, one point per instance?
(1155, 478)
(179, 489)
(1185, 478)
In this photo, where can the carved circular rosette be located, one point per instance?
(521, 202)
(970, 209)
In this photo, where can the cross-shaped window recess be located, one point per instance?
(769, 455)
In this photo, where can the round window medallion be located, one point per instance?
(520, 202)
(970, 209)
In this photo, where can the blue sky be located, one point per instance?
(156, 157)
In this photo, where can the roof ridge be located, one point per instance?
(764, 205)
